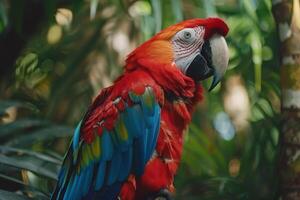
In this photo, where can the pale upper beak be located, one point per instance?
(220, 58)
(211, 60)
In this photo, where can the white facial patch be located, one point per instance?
(186, 45)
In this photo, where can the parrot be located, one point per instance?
(128, 144)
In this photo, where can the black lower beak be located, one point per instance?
(201, 67)
(205, 64)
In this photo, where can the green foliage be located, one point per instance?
(56, 75)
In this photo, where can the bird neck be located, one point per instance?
(168, 76)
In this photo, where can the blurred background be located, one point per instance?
(57, 54)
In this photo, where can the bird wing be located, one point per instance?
(110, 143)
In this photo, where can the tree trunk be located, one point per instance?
(287, 16)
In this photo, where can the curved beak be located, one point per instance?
(215, 81)
(220, 58)
(211, 61)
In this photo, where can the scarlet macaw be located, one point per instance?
(129, 143)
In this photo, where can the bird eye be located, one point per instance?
(187, 35)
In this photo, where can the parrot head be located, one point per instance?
(195, 47)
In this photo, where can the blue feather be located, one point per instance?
(68, 194)
(133, 120)
(114, 168)
(80, 180)
(86, 183)
(114, 139)
(107, 146)
(100, 175)
(74, 189)
(150, 119)
(148, 102)
(108, 192)
(126, 164)
(156, 129)
(134, 97)
(139, 154)
(121, 153)
(152, 133)
(76, 136)
(61, 176)
(119, 131)
(90, 194)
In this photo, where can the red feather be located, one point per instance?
(104, 112)
(151, 64)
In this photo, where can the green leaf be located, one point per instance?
(209, 8)
(157, 9)
(40, 156)
(267, 53)
(34, 167)
(17, 14)
(27, 64)
(256, 46)
(28, 70)
(19, 126)
(37, 191)
(177, 10)
(48, 133)
(12, 179)
(93, 8)
(5, 195)
(3, 17)
(15, 103)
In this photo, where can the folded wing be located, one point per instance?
(120, 141)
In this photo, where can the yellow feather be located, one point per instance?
(122, 131)
(95, 146)
(85, 158)
(89, 152)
